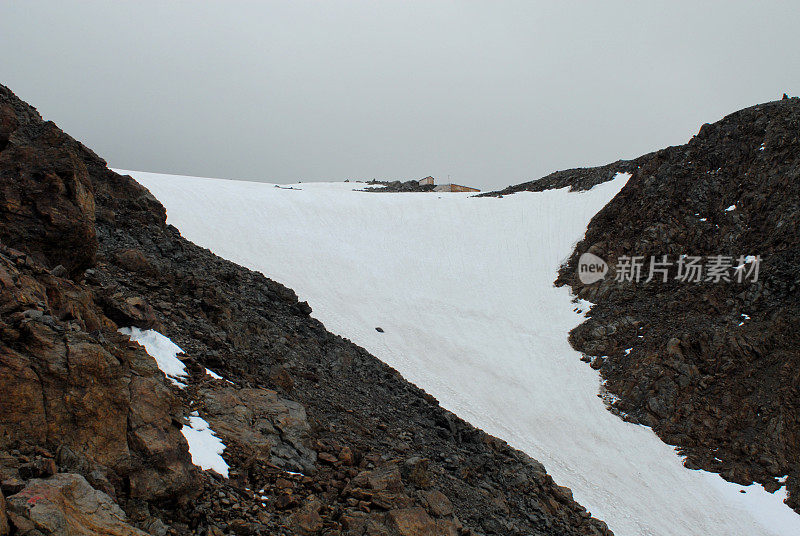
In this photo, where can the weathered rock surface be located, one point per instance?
(97, 394)
(66, 505)
(412, 522)
(273, 428)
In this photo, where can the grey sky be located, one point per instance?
(491, 93)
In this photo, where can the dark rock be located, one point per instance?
(4, 527)
(705, 377)
(438, 503)
(398, 186)
(39, 468)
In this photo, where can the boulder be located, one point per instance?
(307, 520)
(412, 522)
(438, 503)
(271, 428)
(134, 260)
(66, 505)
(384, 477)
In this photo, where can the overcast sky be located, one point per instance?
(491, 93)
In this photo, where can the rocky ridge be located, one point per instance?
(322, 438)
(712, 367)
(398, 186)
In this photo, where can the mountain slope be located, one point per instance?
(721, 374)
(461, 288)
(715, 370)
(86, 251)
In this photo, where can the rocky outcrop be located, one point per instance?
(274, 429)
(578, 179)
(712, 367)
(76, 383)
(46, 195)
(321, 437)
(66, 505)
(71, 384)
(398, 186)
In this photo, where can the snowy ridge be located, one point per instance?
(463, 289)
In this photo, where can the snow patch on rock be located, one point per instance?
(162, 349)
(204, 446)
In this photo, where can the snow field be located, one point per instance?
(463, 289)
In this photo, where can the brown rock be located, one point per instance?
(438, 503)
(389, 500)
(281, 377)
(327, 458)
(242, 527)
(131, 311)
(446, 527)
(354, 521)
(346, 456)
(417, 471)
(412, 522)
(104, 399)
(282, 483)
(674, 347)
(4, 528)
(307, 519)
(65, 504)
(384, 477)
(134, 260)
(49, 400)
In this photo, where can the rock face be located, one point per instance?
(97, 394)
(576, 180)
(713, 367)
(45, 192)
(321, 437)
(273, 428)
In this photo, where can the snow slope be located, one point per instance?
(463, 289)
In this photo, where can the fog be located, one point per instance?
(487, 93)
